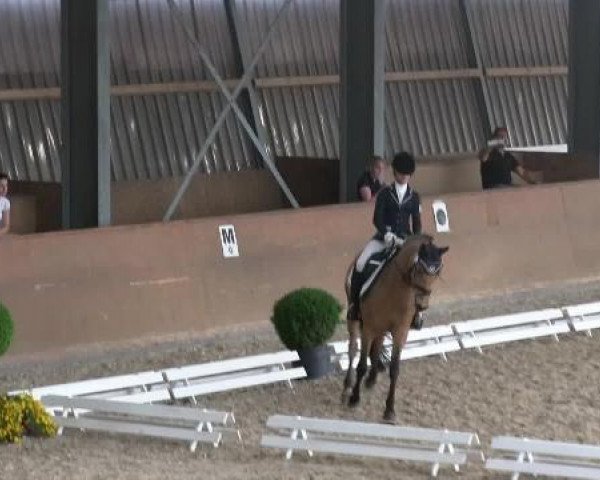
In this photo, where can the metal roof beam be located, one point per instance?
(362, 88)
(85, 105)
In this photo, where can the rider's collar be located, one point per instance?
(401, 190)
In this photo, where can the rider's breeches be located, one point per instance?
(374, 246)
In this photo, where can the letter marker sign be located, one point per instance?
(440, 214)
(228, 241)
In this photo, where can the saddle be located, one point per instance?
(373, 268)
(362, 282)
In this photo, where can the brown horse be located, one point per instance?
(390, 306)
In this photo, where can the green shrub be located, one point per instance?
(36, 420)
(306, 317)
(23, 415)
(11, 420)
(6, 329)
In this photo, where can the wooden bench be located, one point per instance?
(437, 340)
(547, 458)
(202, 379)
(120, 385)
(212, 377)
(344, 437)
(584, 317)
(182, 382)
(509, 328)
(177, 423)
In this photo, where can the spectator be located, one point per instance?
(496, 164)
(4, 205)
(371, 181)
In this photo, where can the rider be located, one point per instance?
(397, 215)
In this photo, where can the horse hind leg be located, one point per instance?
(353, 333)
(376, 363)
(361, 369)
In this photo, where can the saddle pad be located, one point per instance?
(374, 267)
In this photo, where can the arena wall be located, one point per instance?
(81, 287)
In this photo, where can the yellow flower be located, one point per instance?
(23, 415)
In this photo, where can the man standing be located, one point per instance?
(497, 164)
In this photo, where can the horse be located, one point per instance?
(390, 306)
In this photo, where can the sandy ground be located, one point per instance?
(539, 388)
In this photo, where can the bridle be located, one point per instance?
(419, 266)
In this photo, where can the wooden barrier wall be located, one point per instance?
(80, 287)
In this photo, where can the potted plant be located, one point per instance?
(20, 414)
(304, 320)
(6, 329)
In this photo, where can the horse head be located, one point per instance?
(427, 265)
(429, 258)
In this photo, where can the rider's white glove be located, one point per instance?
(390, 239)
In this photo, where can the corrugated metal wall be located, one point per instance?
(301, 121)
(158, 135)
(517, 33)
(29, 58)
(429, 117)
(153, 136)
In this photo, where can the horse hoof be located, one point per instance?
(346, 395)
(389, 417)
(370, 383)
(354, 401)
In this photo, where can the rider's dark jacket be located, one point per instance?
(395, 215)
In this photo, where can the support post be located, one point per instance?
(85, 102)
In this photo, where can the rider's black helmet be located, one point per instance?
(404, 163)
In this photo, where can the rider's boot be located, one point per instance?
(355, 285)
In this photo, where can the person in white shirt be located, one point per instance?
(4, 205)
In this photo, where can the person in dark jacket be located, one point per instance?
(496, 164)
(397, 215)
(371, 181)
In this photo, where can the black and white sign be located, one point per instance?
(440, 214)
(228, 241)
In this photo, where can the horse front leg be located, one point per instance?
(361, 370)
(398, 341)
(376, 363)
(353, 333)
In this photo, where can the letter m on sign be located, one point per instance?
(228, 241)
